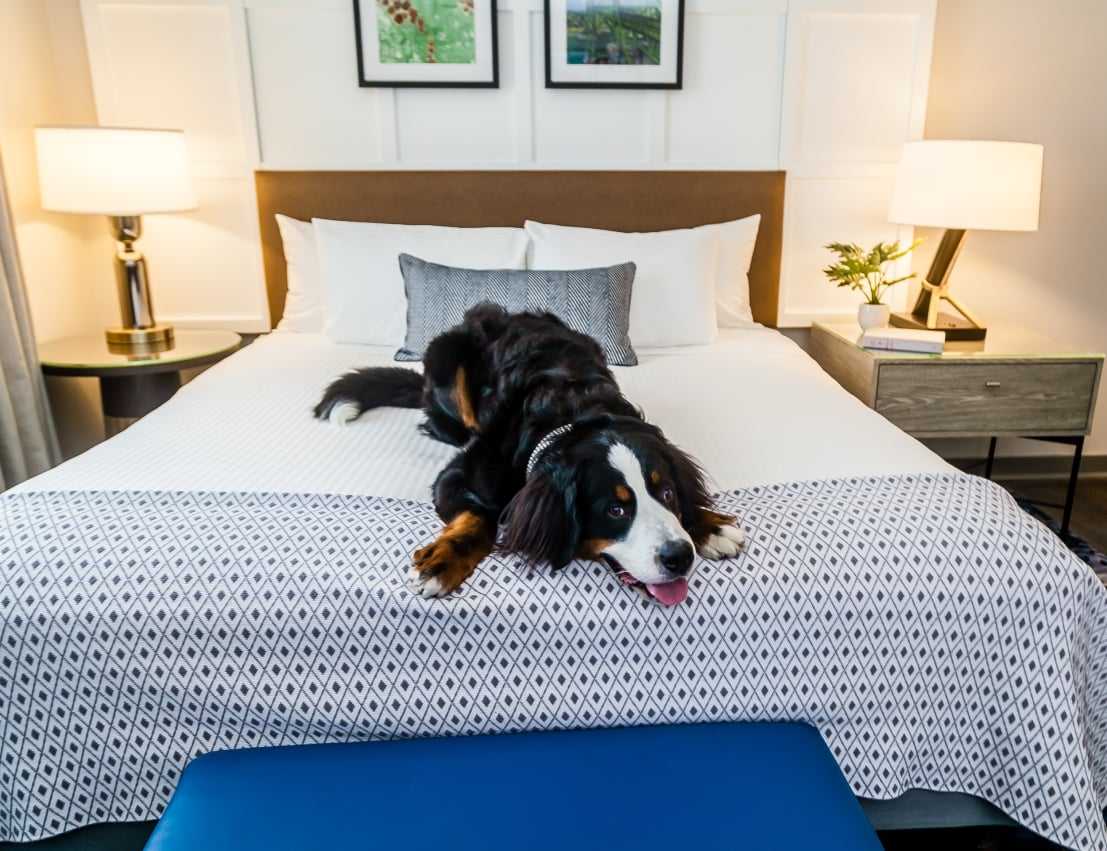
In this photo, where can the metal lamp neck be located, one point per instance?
(126, 229)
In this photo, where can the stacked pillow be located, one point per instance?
(667, 288)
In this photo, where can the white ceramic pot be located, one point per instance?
(873, 316)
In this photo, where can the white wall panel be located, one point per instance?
(450, 126)
(436, 128)
(855, 84)
(186, 65)
(832, 210)
(310, 108)
(729, 109)
(173, 65)
(853, 99)
(203, 265)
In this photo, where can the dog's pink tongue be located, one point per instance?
(670, 593)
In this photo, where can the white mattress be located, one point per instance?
(752, 407)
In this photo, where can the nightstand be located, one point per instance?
(1013, 384)
(134, 381)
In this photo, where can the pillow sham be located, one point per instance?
(674, 286)
(595, 302)
(363, 290)
(303, 303)
(737, 239)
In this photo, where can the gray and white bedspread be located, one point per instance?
(937, 637)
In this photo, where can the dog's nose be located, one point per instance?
(676, 557)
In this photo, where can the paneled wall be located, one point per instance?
(826, 89)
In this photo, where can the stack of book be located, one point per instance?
(903, 340)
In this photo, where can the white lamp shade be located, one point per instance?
(113, 171)
(968, 185)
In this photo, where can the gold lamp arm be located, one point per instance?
(935, 289)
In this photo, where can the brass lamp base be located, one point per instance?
(154, 335)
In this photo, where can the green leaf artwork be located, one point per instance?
(415, 32)
(613, 32)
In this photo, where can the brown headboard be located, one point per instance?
(616, 200)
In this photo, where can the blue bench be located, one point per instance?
(702, 786)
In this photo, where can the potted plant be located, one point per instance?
(867, 272)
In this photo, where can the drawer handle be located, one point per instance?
(992, 383)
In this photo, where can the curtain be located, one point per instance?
(28, 444)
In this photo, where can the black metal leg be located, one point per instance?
(991, 458)
(1074, 474)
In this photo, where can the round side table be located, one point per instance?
(134, 381)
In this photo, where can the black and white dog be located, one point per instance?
(551, 450)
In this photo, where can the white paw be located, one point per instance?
(343, 413)
(727, 542)
(423, 586)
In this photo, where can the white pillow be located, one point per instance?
(732, 276)
(673, 301)
(363, 289)
(303, 304)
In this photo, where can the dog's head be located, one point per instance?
(620, 493)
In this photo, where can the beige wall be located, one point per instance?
(1032, 71)
(66, 259)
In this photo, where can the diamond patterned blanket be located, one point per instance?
(935, 634)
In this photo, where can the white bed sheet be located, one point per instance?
(752, 407)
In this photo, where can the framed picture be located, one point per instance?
(427, 43)
(614, 44)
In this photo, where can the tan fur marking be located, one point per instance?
(461, 399)
(623, 492)
(593, 548)
(707, 522)
(655, 477)
(454, 556)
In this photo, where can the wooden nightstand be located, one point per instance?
(1013, 384)
(134, 382)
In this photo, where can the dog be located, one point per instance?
(551, 451)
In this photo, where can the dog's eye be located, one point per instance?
(667, 494)
(617, 509)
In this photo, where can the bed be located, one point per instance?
(228, 572)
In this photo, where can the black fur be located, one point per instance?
(374, 387)
(497, 384)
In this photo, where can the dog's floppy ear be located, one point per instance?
(688, 479)
(540, 523)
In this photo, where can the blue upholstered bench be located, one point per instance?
(698, 787)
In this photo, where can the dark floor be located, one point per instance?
(1089, 513)
(1089, 521)
(131, 837)
(966, 839)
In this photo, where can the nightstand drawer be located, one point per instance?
(987, 398)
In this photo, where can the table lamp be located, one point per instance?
(959, 186)
(120, 172)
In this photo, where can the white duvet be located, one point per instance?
(752, 407)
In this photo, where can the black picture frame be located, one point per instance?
(666, 73)
(482, 73)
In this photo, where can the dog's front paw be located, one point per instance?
(724, 542)
(717, 535)
(441, 566)
(437, 570)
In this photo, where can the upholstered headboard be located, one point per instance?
(616, 200)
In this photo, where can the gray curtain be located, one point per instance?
(28, 444)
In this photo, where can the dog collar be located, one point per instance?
(544, 444)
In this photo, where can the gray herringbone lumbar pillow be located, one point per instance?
(595, 302)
